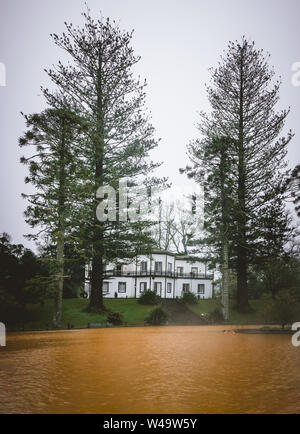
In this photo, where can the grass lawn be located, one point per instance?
(256, 316)
(40, 317)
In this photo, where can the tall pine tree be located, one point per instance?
(243, 99)
(212, 167)
(99, 84)
(56, 136)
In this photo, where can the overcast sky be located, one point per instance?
(178, 41)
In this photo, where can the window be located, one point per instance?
(158, 267)
(122, 287)
(157, 288)
(143, 286)
(105, 287)
(144, 266)
(169, 288)
(201, 288)
(180, 271)
(185, 287)
(194, 270)
(169, 267)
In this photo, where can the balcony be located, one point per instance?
(153, 273)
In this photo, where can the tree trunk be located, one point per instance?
(60, 282)
(225, 281)
(241, 268)
(60, 236)
(224, 230)
(96, 298)
(242, 289)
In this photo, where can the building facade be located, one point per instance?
(166, 273)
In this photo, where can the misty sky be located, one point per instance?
(178, 42)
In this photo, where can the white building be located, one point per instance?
(168, 274)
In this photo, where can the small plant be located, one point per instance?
(216, 316)
(157, 316)
(149, 297)
(189, 298)
(114, 318)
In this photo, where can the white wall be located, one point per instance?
(193, 286)
(187, 266)
(133, 283)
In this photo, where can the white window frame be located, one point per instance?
(144, 266)
(169, 288)
(143, 284)
(186, 285)
(105, 291)
(180, 271)
(160, 287)
(119, 285)
(160, 267)
(202, 292)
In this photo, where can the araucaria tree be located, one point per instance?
(212, 167)
(243, 98)
(99, 84)
(56, 136)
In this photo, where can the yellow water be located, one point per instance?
(149, 370)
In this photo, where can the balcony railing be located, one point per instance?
(155, 273)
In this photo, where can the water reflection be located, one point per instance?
(149, 370)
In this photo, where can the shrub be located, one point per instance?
(149, 297)
(216, 315)
(189, 298)
(157, 316)
(285, 309)
(115, 318)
